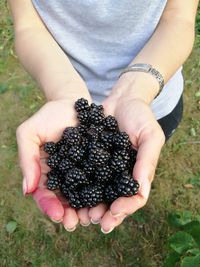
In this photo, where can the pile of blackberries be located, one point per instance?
(93, 162)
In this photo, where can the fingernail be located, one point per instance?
(24, 187)
(95, 221)
(70, 229)
(85, 224)
(56, 221)
(117, 214)
(107, 232)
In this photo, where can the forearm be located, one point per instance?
(167, 50)
(42, 57)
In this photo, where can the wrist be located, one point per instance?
(136, 85)
(68, 90)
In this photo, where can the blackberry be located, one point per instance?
(88, 169)
(50, 148)
(75, 200)
(60, 143)
(110, 123)
(63, 151)
(91, 195)
(83, 117)
(110, 194)
(96, 117)
(96, 107)
(64, 190)
(65, 165)
(126, 185)
(133, 154)
(92, 145)
(103, 174)
(81, 105)
(76, 153)
(82, 129)
(120, 160)
(92, 134)
(75, 177)
(54, 180)
(107, 139)
(121, 140)
(72, 136)
(53, 161)
(98, 156)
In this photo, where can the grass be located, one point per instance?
(141, 240)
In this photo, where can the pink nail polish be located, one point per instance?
(24, 187)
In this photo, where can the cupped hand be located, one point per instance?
(135, 117)
(47, 125)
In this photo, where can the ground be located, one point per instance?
(141, 240)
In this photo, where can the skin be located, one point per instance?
(129, 102)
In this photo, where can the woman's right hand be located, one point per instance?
(45, 125)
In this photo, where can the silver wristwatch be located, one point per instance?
(145, 68)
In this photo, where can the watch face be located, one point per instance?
(141, 66)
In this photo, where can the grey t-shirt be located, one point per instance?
(103, 37)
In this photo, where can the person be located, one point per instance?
(77, 49)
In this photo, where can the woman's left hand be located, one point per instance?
(135, 117)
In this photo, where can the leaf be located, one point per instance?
(11, 227)
(195, 181)
(193, 228)
(171, 259)
(179, 218)
(3, 88)
(194, 251)
(191, 261)
(181, 241)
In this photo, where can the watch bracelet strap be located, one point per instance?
(147, 68)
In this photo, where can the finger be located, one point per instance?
(44, 167)
(149, 147)
(84, 216)
(49, 203)
(70, 219)
(108, 222)
(96, 213)
(28, 149)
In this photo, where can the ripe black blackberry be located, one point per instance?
(133, 154)
(64, 190)
(81, 105)
(93, 144)
(53, 161)
(118, 165)
(96, 114)
(63, 150)
(126, 185)
(110, 123)
(88, 169)
(82, 129)
(92, 134)
(91, 195)
(65, 165)
(121, 140)
(74, 178)
(54, 180)
(96, 107)
(83, 117)
(110, 194)
(98, 156)
(107, 139)
(72, 136)
(50, 148)
(103, 174)
(76, 153)
(75, 200)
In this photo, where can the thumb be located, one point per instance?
(28, 150)
(149, 148)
